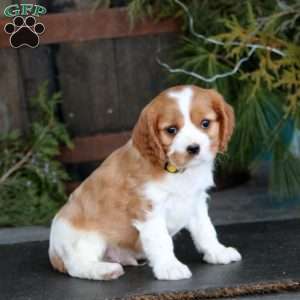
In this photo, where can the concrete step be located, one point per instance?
(270, 262)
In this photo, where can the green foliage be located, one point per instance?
(271, 94)
(31, 179)
(268, 69)
(265, 92)
(139, 9)
(191, 55)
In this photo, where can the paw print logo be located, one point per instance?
(24, 32)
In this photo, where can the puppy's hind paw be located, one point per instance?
(114, 272)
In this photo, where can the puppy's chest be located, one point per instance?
(175, 198)
(177, 211)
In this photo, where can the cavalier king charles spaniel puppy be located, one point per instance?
(147, 191)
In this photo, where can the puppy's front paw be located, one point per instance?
(222, 255)
(171, 270)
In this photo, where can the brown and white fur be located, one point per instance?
(130, 207)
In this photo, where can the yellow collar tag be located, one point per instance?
(171, 168)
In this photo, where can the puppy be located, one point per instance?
(147, 191)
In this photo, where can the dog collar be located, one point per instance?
(171, 168)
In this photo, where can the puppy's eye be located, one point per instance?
(172, 130)
(205, 123)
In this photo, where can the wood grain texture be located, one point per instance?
(93, 148)
(37, 68)
(140, 78)
(92, 24)
(106, 83)
(74, 5)
(89, 86)
(3, 5)
(71, 186)
(12, 105)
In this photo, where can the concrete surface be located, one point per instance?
(26, 272)
(251, 202)
(23, 234)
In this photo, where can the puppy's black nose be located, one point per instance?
(193, 149)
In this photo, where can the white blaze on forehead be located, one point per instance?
(189, 134)
(183, 99)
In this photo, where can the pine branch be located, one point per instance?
(31, 176)
(16, 167)
(213, 78)
(253, 47)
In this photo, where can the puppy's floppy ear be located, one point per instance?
(146, 137)
(225, 117)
